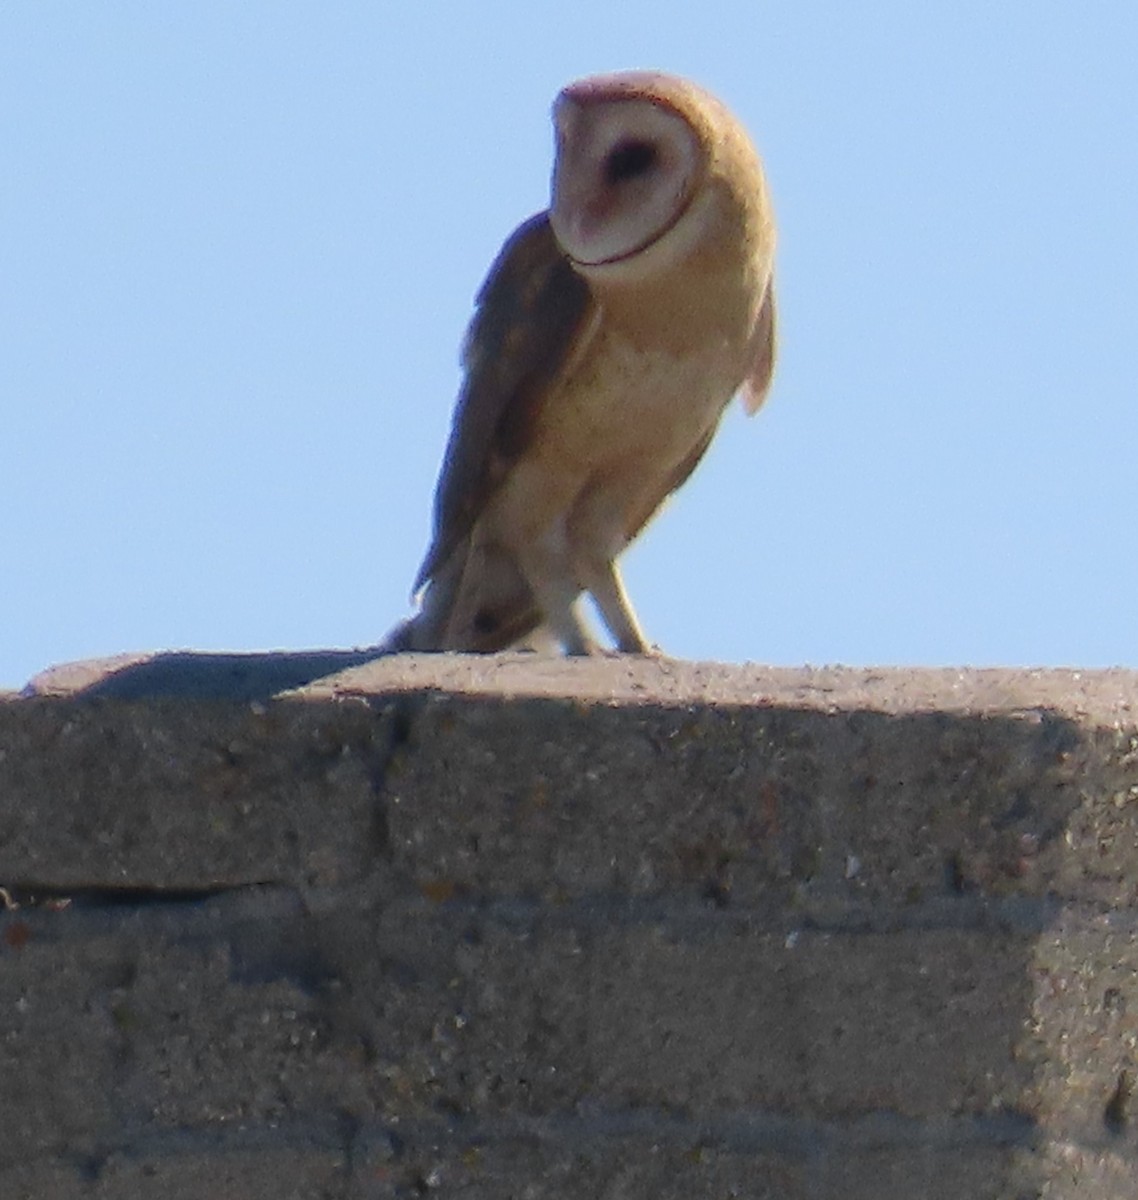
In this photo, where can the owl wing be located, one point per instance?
(764, 343)
(528, 315)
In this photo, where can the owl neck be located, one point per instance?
(702, 302)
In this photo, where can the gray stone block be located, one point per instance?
(273, 1172)
(184, 796)
(44, 1180)
(56, 1064)
(509, 926)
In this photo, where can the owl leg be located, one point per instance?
(607, 589)
(561, 609)
(596, 545)
(558, 597)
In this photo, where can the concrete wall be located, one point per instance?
(522, 928)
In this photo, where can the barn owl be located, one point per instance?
(608, 339)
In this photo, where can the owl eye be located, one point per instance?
(628, 159)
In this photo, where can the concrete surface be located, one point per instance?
(522, 927)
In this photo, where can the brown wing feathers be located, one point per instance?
(528, 313)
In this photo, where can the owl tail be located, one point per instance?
(477, 602)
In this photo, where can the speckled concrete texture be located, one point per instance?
(516, 926)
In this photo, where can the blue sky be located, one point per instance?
(239, 244)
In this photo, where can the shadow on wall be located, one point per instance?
(190, 675)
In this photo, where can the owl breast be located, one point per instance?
(633, 404)
(607, 441)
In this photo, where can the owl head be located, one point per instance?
(646, 166)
